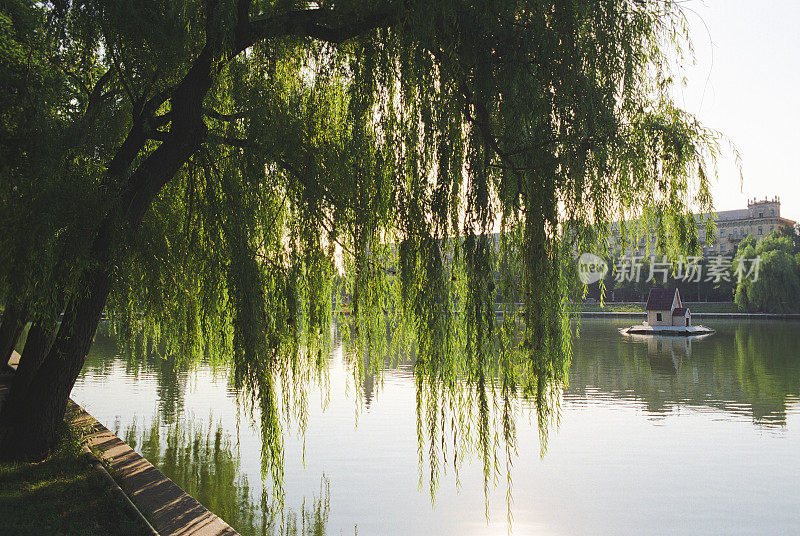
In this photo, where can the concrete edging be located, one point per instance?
(98, 466)
(170, 510)
(145, 490)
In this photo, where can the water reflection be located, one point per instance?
(185, 418)
(667, 353)
(198, 453)
(170, 375)
(200, 457)
(312, 521)
(746, 369)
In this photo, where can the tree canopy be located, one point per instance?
(233, 174)
(776, 289)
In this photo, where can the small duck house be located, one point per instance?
(664, 308)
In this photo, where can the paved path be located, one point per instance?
(170, 510)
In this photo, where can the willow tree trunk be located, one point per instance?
(31, 421)
(29, 429)
(37, 346)
(10, 330)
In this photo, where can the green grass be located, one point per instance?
(612, 307)
(631, 307)
(60, 496)
(713, 307)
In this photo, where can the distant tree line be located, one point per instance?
(775, 289)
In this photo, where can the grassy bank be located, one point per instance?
(635, 307)
(59, 496)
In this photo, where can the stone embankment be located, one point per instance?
(169, 510)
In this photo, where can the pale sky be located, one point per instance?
(745, 82)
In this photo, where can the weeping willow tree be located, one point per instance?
(417, 164)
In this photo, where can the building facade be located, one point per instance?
(759, 219)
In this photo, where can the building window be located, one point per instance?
(760, 231)
(772, 211)
(658, 317)
(722, 232)
(724, 247)
(760, 214)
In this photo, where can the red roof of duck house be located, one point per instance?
(660, 299)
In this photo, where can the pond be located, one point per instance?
(654, 437)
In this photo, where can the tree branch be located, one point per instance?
(322, 24)
(213, 114)
(128, 88)
(233, 142)
(242, 30)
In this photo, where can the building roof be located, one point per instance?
(738, 214)
(680, 311)
(660, 299)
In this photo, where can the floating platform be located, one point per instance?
(680, 331)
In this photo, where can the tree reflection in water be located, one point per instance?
(467, 411)
(746, 368)
(200, 458)
(469, 394)
(471, 387)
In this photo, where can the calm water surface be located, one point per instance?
(655, 437)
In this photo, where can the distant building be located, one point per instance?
(664, 308)
(759, 219)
